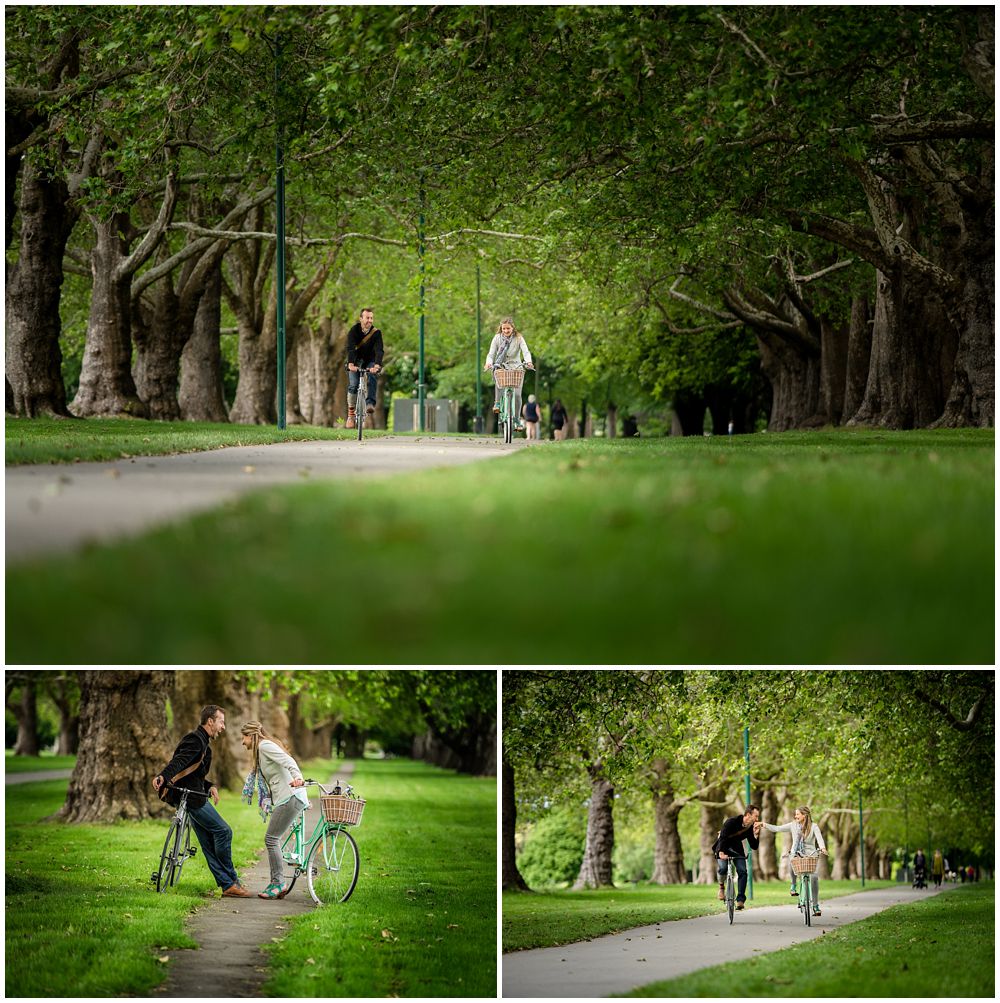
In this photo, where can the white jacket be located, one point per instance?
(516, 351)
(279, 771)
(814, 839)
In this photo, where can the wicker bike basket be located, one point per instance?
(508, 377)
(342, 809)
(804, 865)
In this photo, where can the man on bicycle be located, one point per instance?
(729, 847)
(189, 768)
(364, 351)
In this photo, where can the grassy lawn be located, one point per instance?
(544, 919)
(32, 764)
(942, 946)
(50, 440)
(82, 918)
(422, 921)
(848, 547)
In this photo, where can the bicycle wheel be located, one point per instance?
(508, 415)
(332, 868)
(806, 894)
(730, 893)
(185, 850)
(168, 858)
(360, 409)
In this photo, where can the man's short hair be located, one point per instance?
(207, 713)
(367, 309)
(752, 807)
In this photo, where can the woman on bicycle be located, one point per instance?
(508, 348)
(806, 837)
(278, 781)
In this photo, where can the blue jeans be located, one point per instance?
(216, 839)
(354, 384)
(741, 875)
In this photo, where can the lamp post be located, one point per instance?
(746, 756)
(861, 826)
(280, 210)
(479, 352)
(420, 250)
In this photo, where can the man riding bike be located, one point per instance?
(729, 847)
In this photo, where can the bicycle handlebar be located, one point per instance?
(183, 790)
(345, 788)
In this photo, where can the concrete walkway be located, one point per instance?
(55, 508)
(621, 962)
(39, 775)
(230, 932)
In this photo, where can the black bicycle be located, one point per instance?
(177, 847)
(361, 411)
(730, 888)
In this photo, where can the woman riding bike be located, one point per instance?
(806, 838)
(509, 349)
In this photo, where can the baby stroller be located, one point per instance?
(919, 877)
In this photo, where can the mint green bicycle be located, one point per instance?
(329, 859)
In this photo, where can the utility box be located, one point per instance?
(439, 415)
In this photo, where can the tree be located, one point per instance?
(124, 743)
(24, 707)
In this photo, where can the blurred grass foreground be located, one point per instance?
(854, 546)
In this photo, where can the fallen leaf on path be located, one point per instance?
(163, 960)
(249, 469)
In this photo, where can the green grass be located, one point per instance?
(422, 921)
(850, 547)
(52, 440)
(82, 918)
(545, 919)
(81, 915)
(942, 946)
(32, 764)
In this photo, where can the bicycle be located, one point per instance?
(330, 858)
(730, 892)
(361, 413)
(804, 865)
(509, 377)
(179, 835)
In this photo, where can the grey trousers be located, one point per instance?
(282, 819)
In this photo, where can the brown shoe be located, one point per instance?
(350, 423)
(722, 891)
(236, 891)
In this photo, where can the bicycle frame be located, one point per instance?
(360, 406)
(507, 418)
(805, 881)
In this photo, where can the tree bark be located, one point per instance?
(511, 878)
(711, 819)
(859, 351)
(794, 380)
(596, 868)
(161, 329)
(63, 688)
(201, 396)
(34, 287)
(123, 745)
(107, 388)
(668, 854)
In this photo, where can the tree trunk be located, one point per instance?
(711, 819)
(859, 351)
(596, 868)
(832, 372)
(34, 286)
(766, 855)
(25, 710)
(107, 388)
(256, 402)
(690, 412)
(160, 333)
(511, 879)
(63, 692)
(794, 379)
(293, 400)
(668, 854)
(201, 396)
(123, 745)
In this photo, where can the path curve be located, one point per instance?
(625, 961)
(52, 508)
(25, 778)
(230, 932)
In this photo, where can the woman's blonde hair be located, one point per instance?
(256, 730)
(807, 822)
(507, 320)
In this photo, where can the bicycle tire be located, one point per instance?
(508, 421)
(360, 414)
(807, 907)
(333, 867)
(180, 857)
(168, 858)
(730, 893)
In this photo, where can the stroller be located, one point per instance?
(919, 877)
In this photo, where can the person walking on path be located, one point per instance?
(277, 781)
(508, 347)
(531, 417)
(937, 868)
(806, 838)
(364, 351)
(559, 418)
(189, 768)
(729, 847)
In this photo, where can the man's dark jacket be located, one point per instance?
(192, 747)
(368, 354)
(732, 835)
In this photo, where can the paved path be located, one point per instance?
(230, 932)
(622, 962)
(27, 778)
(59, 507)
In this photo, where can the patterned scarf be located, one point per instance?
(264, 804)
(501, 356)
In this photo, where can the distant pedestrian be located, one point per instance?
(531, 416)
(559, 420)
(189, 768)
(630, 427)
(937, 868)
